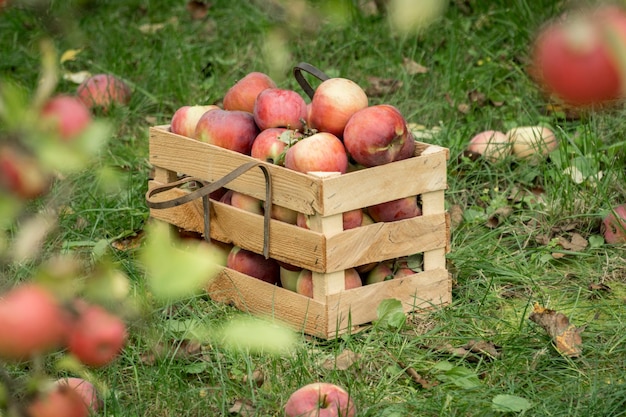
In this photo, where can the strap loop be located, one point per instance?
(209, 187)
(316, 72)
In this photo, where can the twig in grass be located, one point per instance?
(412, 373)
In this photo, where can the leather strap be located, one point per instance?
(316, 72)
(209, 187)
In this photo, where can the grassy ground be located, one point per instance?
(499, 271)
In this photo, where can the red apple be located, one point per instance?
(378, 135)
(242, 95)
(97, 336)
(490, 144)
(381, 272)
(230, 129)
(66, 115)
(390, 211)
(351, 219)
(85, 389)
(334, 102)
(21, 174)
(277, 107)
(60, 401)
(254, 264)
(246, 202)
(226, 197)
(104, 91)
(573, 57)
(320, 399)
(32, 322)
(532, 142)
(614, 225)
(284, 214)
(186, 118)
(304, 283)
(321, 152)
(270, 144)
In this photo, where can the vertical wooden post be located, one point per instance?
(330, 282)
(433, 203)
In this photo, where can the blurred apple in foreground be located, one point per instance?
(103, 91)
(32, 322)
(321, 152)
(334, 102)
(614, 226)
(85, 389)
(186, 118)
(66, 115)
(97, 336)
(254, 264)
(234, 130)
(60, 401)
(320, 399)
(243, 94)
(378, 135)
(391, 211)
(277, 107)
(21, 174)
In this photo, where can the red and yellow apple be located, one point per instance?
(270, 144)
(532, 142)
(242, 95)
(60, 401)
(391, 211)
(334, 102)
(85, 389)
(66, 116)
(289, 276)
(351, 219)
(246, 202)
(383, 271)
(278, 107)
(185, 119)
(614, 225)
(320, 399)
(21, 174)
(304, 283)
(103, 91)
(378, 135)
(321, 152)
(254, 264)
(229, 129)
(492, 145)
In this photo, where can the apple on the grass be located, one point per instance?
(320, 399)
(103, 91)
(321, 152)
(351, 219)
(21, 174)
(278, 107)
(97, 336)
(378, 135)
(270, 144)
(229, 129)
(242, 95)
(186, 118)
(32, 322)
(532, 142)
(85, 389)
(253, 264)
(66, 115)
(334, 102)
(400, 209)
(59, 401)
(614, 225)
(304, 284)
(491, 145)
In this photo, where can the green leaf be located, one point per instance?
(196, 367)
(510, 403)
(256, 335)
(174, 273)
(415, 262)
(457, 375)
(390, 313)
(595, 241)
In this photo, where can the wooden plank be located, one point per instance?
(304, 193)
(425, 290)
(263, 299)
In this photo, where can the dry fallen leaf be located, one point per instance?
(198, 10)
(565, 336)
(242, 407)
(411, 67)
(382, 86)
(342, 361)
(130, 242)
(499, 216)
(257, 377)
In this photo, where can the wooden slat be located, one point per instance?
(304, 193)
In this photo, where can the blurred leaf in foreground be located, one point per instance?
(510, 403)
(257, 335)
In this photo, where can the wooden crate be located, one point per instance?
(326, 249)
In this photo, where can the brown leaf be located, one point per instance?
(565, 336)
(342, 361)
(477, 97)
(198, 10)
(483, 348)
(382, 86)
(130, 242)
(257, 377)
(464, 108)
(242, 407)
(498, 216)
(411, 67)
(456, 215)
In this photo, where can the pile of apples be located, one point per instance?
(34, 322)
(337, 131)
(529, 143)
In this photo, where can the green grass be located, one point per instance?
(498, 273)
